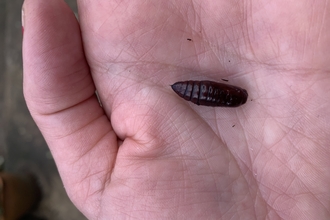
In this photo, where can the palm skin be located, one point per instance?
(148, 154)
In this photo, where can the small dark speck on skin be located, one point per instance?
(226, 80)
(233, 126)
(229, 61)
(189, 39)
(251, 100)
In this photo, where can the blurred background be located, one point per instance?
(22, 148)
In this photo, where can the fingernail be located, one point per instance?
(22, 19)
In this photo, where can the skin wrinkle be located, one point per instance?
(275, 45)
(197, 32)
(248, 33)
(279, 197)
(231, 42)
(283, 164)
(197, 19)
(312, 24)
(58, 111)
(292, 128)
(98, 142)
(254, 195)
(50, 70)
(306, 35)
(81, 127)
(181, 15)
(322, 25)
(87, 194)
(309, 192)
(185, 177)
(304, 192)
(293, 172)
(266, 199)
(324, 205)
(122, 53)
(281, 192)
(303, 134)
(250, 154)
(89, 177)
(305, 155)
(242, 175)
(292, 180)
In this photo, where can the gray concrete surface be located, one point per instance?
(21, 143)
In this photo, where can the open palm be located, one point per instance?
(147, 153)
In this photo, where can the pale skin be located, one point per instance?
(147, 153)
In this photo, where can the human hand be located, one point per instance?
(148, 154)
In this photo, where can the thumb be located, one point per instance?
(59, 92)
